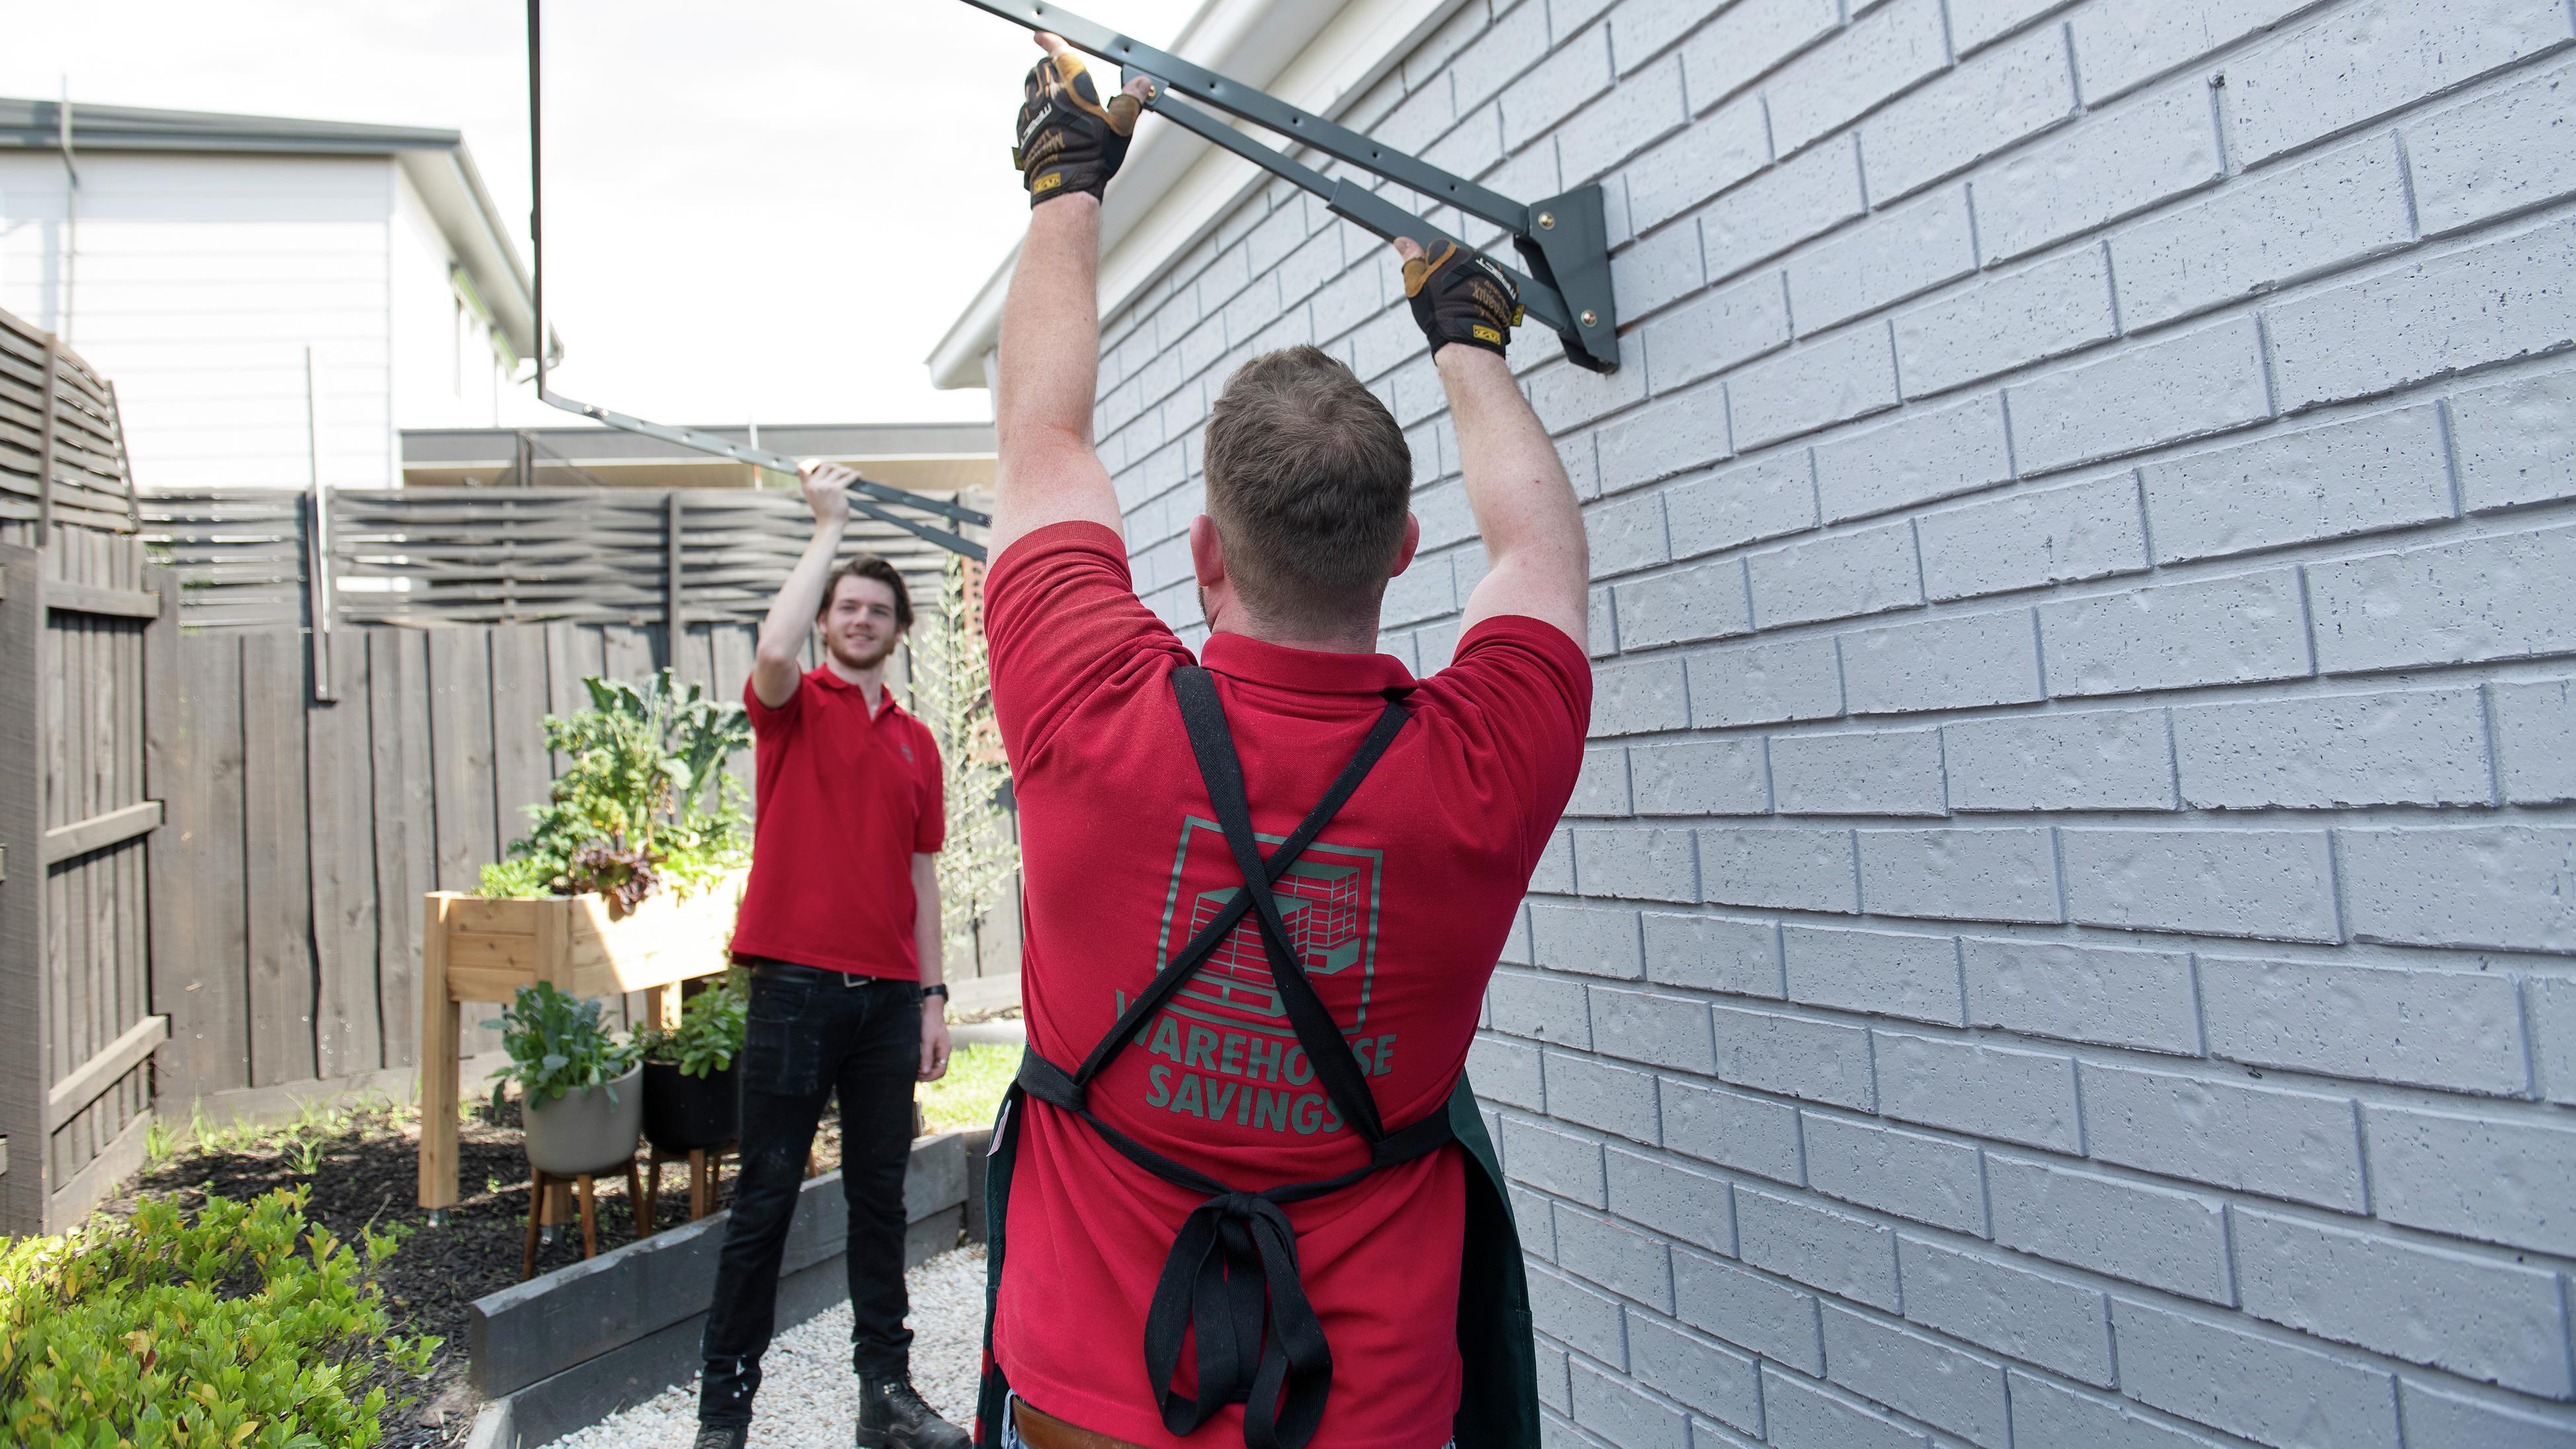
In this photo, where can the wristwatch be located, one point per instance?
(940, 991)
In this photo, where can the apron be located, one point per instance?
(1231, 1279)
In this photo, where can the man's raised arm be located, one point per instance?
(1049, 361)
(1516, 483)
(775, 665)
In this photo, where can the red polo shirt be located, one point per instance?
(845, 799)
(1400, 909)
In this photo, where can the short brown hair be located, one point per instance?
(1309, 480)
(869, 566)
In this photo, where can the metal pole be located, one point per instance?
(536, 197)
(71, 208)
(317, 544)
(673, 620)
(45, 444)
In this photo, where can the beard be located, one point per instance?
(857, 657)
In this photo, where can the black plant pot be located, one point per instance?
(683, 1113)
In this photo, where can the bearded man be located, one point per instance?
(840, 928)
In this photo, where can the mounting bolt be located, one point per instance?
(1547, 221)
(1590, 319)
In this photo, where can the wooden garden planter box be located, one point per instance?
(475, 949)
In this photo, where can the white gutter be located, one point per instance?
(1319, 55)
(452, 189)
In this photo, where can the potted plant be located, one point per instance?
(581, 1099)
(692, 1085)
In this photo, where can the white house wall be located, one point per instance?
(199, 282)
(2064, 937)
(446, 374)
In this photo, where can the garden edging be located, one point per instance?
(567, 1349)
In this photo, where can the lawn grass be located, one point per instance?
(978, 1075)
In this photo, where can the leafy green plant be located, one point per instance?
(557, 1045)
(643, 797)
(710, 1032)
(952, 693)
(245, 1328)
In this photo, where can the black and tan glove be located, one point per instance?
(1459, 296)
(1069, 141)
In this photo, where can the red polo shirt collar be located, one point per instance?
(824, 676)
(1317, 671)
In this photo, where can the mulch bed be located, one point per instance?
(366, 1175)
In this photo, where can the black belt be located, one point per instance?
(1231, 1277)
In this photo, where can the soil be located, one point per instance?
(363, 1169)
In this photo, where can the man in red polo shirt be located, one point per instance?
(840, 927)
(1197, 1098)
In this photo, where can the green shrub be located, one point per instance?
(710, 1032)
(557, 1045)
(246, 1328)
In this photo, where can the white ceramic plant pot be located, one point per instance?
(593, 1129)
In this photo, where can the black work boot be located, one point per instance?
(722, 1436)
(892, 1416)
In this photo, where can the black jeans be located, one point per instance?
(812, 1032)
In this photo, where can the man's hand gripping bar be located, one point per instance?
(1563, 239)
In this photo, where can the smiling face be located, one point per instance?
(860, 622)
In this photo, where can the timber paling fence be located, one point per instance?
(241, 734)
(80, 615)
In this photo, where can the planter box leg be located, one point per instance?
(440, 1028)
(589, 1217)
(536, 1196)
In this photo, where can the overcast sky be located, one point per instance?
(768, 210)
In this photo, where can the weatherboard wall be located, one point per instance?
(197, 281)
(2064, 934)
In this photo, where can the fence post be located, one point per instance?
(317, 545)
(45, 445)
(673, 617)
(26, 1183)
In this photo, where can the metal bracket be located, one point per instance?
(1563, 239)
(860, 492)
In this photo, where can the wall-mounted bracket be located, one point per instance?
(861, 492)
(1563, 240)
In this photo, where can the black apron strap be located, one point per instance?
(1222, 771)
(1177, 972)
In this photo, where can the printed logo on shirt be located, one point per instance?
(1226, 1035)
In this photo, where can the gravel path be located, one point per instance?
(808, 1399)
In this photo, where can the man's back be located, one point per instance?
(1398, 912)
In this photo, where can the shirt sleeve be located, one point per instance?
(1532, 685)
(930, 824)
(1061, 618)
(765, 720)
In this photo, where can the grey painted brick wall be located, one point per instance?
(2064, 938)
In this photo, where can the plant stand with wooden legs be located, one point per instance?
(586, 1184)
(704, 1165)
(479, 949)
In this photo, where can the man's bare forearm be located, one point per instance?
(1516, 485)
(791, 615)
(1046, 374)
(1050, 339)
(929, 942)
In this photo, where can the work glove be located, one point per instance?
(1069, 141)
(1460, 296)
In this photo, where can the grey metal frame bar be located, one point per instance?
(1563, 239)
